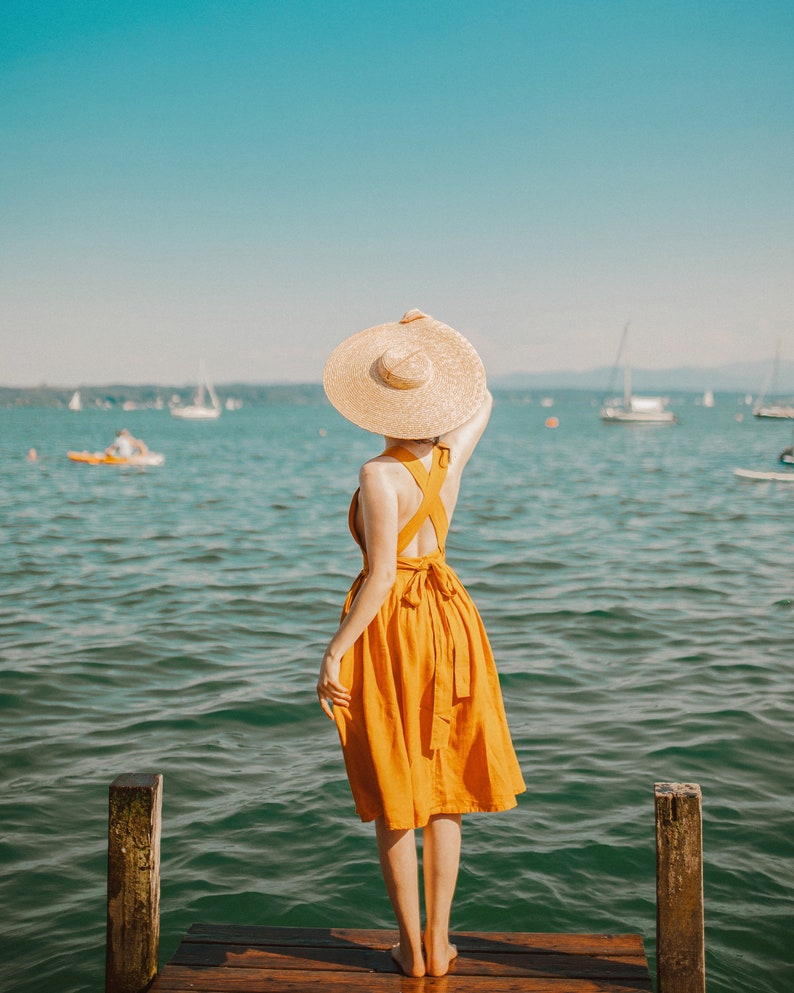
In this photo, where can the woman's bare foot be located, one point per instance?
(439, 960)
(407, 963)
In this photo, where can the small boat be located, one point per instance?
(200, 410)
(765, 477)
(773, 410)
(76, 402)
(102, 458)
(633, 409)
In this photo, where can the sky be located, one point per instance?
(247, 183)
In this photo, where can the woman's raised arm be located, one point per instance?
(463, 440)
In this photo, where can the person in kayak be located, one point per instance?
(125, 446)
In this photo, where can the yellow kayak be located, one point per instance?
(101, 458)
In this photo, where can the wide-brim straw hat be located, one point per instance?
(414, 378)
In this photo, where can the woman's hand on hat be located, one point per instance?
(328, 686)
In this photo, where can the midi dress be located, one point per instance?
(425, 732)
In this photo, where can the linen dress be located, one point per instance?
(425, 732)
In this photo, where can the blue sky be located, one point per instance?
(253, 181)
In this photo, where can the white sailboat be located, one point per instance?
(76, 402)
(633, 409)
(200, 410)
(775, 410)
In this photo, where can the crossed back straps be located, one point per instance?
(430, 484)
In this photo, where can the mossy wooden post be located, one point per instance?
(680, 945)
(133, 930)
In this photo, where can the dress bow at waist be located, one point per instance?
(430, 568)
(450, 641)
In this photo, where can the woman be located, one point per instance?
(409, 673)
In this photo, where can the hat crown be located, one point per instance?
(405, 367)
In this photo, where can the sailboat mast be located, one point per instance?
(776, 370)
(626, 369)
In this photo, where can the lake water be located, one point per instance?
(639, 601)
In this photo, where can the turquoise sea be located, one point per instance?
(639, 599)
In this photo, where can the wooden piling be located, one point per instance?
(133, 924)
(680, 943)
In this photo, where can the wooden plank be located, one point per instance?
(232, 958)
(180, 979)
(259, 934)
(680, 938)
(501, 962)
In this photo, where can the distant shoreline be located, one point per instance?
(151, 397)
(118, 396)
(737, 378)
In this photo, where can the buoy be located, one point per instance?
(552, 422)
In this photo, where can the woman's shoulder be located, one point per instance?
(378, 470)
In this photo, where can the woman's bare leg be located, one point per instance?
(398, 863)
(441, 859)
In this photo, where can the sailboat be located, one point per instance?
(76, 402)
(778, 411)
(200, 410)
(633, 409)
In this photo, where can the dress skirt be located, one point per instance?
(425, 732)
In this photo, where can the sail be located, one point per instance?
(633, 409)
(774, 408)
(200, 410)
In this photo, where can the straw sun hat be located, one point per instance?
(413, 378)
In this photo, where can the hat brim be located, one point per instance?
(454, 391)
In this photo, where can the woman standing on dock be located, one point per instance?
(409, 672)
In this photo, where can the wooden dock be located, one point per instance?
(217, 958)
(235, 958)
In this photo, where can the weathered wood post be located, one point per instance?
(133, 929)
(680, 943)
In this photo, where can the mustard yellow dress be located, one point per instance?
(425, 732)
